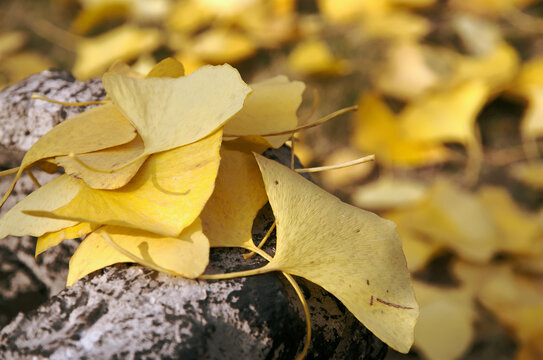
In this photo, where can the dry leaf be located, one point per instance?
(387, 193)
(203, 100)
(445, 116)
(444, 330)
(124, 43)
(239, 194)
(353, 254)
(49, 197)
(377, 130)
(54, 238)
(186, 255)
(166, 195)
(271, 107)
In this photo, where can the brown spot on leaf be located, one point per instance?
(393, 305)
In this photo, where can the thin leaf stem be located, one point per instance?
(44, 98)
(338, 166)
(262, 242)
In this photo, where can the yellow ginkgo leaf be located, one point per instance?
(466, 227)
(107, 159)
(354, 254)
(377, 131)
(124, 43)
(532, 123)
(186, 255)
(388, 193)
(49, 197)
(445, 326)
(529, 77)
(166, 195)
(218, 46)
(314, 57)
(530, 173)
(445, 116)
(227, 218)
(54, 238)
(518, 232)
(168, 67)
(517, 301)
(95, 129)
(417, 247)
(406, 73)
(169, 113)
(271, 107)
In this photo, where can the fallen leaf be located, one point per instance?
(271, 107)
(239, 194)
(124, 43)
(377, 130)
(445, 328)
(166, 195)
(54, 194)
(186, 255)
(50, 239)
(455, 218)
(445, 116)
(314, 57)
(530, 173)
(218, 46)
(203, 100)
(388, 193)
(353, 254)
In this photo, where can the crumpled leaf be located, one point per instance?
(377, 130)
(445, 116)
(169, 113)
(445, 328)
(166, 195)
(124, 43)
(353, 254)
(271, 107)
(50, 239)
(52, 195)
(239, 194)
(186, 255)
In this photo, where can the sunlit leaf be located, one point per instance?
(314, 57)
(227, 218)
(445, 116)
(168, 113)
(454, 217)
(54, 238)
(110, 158)
(377, 130)
(49, 197)
(217, 46)
(445, 328)
(353, 254)
(388, 193)
(166, 195)
(186, 255)
(271, 107)
(124, 43)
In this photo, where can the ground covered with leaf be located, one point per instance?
(450, 100)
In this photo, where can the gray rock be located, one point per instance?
(127, 311)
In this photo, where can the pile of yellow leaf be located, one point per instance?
(450, 97)
(169, 167)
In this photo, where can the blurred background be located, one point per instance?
(450, 97)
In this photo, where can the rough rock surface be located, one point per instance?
(127, 311)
